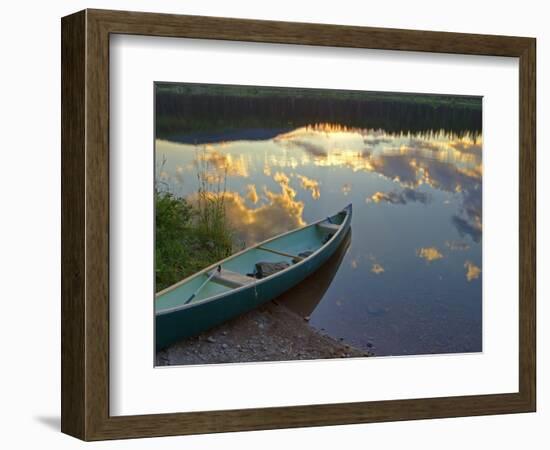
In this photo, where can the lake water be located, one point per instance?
(408, 281)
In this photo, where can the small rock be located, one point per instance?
(211, 339)
(369, 344)
(307, 318)
(224, 333)
(224, 345)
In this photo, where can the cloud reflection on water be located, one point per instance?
(414, 163)
(311, 185)
(439, 160)
(429, 254)
(472, 271)
(279, 212)
(400, 197)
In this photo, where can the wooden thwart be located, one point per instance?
(278, 252)
(328, 227)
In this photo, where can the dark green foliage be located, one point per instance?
(183, 245)
(229, 91)
(184, 109)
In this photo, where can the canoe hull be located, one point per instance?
(186, 322)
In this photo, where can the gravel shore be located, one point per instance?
(269, 333)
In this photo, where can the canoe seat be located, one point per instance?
(330, 227)
(231, 279)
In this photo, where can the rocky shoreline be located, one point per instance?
(270, 333)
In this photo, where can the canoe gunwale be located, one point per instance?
(257, 282)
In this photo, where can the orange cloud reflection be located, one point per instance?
(251, 193)
(472, 271)
(429, 253)
(310, 185)
(219, 164)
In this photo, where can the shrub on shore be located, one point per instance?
(185, 242)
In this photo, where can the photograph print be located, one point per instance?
(302, 224)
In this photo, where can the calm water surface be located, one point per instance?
(408, 281)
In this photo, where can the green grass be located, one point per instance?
(190, 236)
(211, 222)
(184, 243)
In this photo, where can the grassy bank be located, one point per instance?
(188, 237)
(270, 92)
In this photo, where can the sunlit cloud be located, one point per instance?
(468, 219)
(412, 161)
(457, 245)
(372, 141)
(399, 197)
(310, 185)
(252, 225)
(312, 149)
(251, 193)
(438, 159)
(429, 253)
(222, 164)
(277, 213)
(448, 177)
(350, 159)
(472, 271)
(281, 178)
(284, 181)
(466, 145)
(400, 168)
(377, 269)
(464, 227)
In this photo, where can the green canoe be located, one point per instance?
(246, 279)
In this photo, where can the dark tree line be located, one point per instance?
(177, 114)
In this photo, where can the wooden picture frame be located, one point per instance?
(85, 224)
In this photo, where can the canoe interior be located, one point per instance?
(310, 238)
